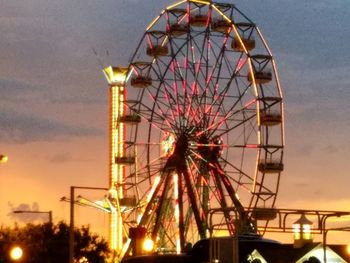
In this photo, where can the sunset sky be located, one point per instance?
(54, 106)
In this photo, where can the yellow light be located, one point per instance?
(222, 233)
(205, 2)
(348, 249)
(177, 211)
(168, 144)
(3, 158)
(16, 253)
(148, 245)
(149, 196)
(174, 5)
(115, 75)
(302, 229)
(83, 260)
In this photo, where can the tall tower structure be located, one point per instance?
(116, 77)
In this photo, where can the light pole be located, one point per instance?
(35, 212)
(71, 223)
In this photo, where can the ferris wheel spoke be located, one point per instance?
(219, 122)
(191, 194)
(191, 72)
(240, 172)
(208, 191)
(230, 128)
(241, 62)
(171, 102)
(209, 62)
(231, 192)
(167, 233)
(227, 113)
(163, 89)
(179, 211)
(196, 62)
(217, 63)
(169, 114)
(222, 201)
(177, 72)
(153, 117)
(213, 165)
(198, 177)
(189, 98)
(147, 211)
(159, 212)
(248, 180)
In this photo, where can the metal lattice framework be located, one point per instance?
(203, 125)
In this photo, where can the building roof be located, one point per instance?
(286, 253)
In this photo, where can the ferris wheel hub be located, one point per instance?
(181, 145)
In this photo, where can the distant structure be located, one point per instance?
(116, 78)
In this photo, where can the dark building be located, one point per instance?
(249, 249)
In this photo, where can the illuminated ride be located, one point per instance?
(200, 129)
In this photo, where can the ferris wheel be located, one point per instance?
(203, 119)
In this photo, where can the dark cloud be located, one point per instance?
(23, 128)
(15, 91)
(331, 149)
(60, 158)
(28, 213)
(304, 150)
(78, 100)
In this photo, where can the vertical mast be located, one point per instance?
(116, 78)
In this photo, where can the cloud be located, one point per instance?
(16, 91)
(30, 213)
(23, 128)
(60, 158)
(78, 100)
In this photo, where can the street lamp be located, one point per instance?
(71, 223)
(16, 253)
(3, 158)
(302, 231)
(35, 212)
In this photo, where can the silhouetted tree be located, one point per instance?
(48, 243)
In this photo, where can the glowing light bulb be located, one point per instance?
(148, 245)
(16, 253)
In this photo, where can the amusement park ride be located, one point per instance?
(197, 140)
(197, 137)
(196, 131)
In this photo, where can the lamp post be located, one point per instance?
(35, 212)
(71, 223)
